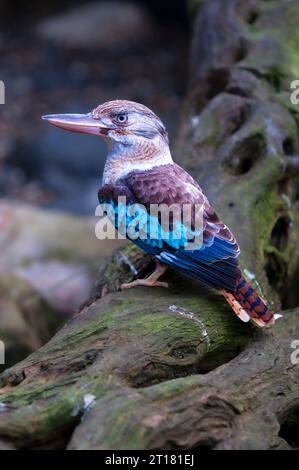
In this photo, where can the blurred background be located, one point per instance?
(69, 57)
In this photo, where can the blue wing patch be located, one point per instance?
(214, 263)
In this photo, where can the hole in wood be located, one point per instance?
(289, 427)
(275, 266)
(245, 154)
(252, 17)
(242, 51)
(280, 233)
(217, 81)
(288, 146)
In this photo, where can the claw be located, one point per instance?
(151, 281)
(144, 282)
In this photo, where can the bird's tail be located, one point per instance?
(248, 305)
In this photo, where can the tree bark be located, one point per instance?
(172, 369)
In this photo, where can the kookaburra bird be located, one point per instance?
(139, 167)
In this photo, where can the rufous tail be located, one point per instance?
(248, 305)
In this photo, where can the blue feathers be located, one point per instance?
(212, 259)
(219, 274)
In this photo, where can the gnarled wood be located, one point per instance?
(155, 368)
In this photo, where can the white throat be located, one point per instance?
(120, 161)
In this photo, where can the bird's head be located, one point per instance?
(137, 137)
(120, 121)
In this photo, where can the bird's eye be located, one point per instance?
(121, 118)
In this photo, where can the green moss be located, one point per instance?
(291, 45)
(135, 436)
(170, 388)
(43, 420)
(264, 216)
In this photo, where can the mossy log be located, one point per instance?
(172, 369)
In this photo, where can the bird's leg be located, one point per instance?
(151, 280)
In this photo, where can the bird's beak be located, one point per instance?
(83, 123)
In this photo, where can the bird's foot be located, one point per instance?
(144, 282)
(151, 281)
